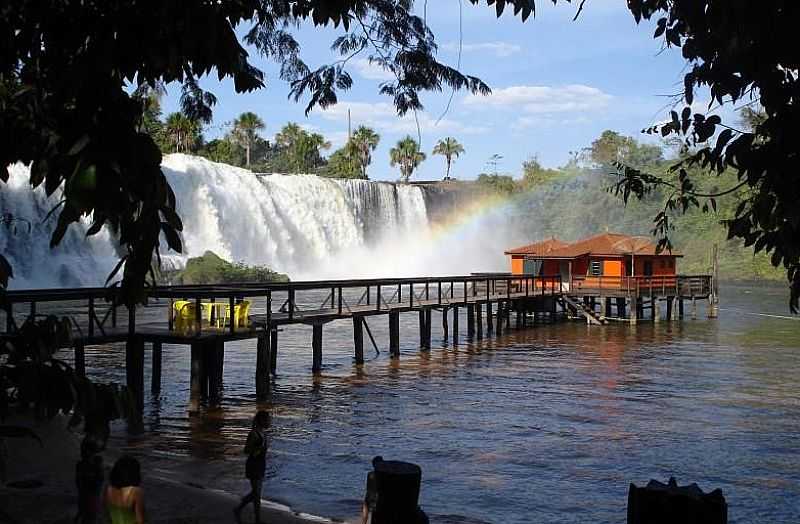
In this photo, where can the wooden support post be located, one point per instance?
(478, 319)
(640, 308)
(621, 308)
(655, 307)
(197, 376)
(428, 327)
(394, 333)
(445, 327)
(634, 311)
(455, 326)
(358, 339)
(214, 356)
(680, 308)
(273, 350)
(499, 319)
(262, 367)
(694, 308)
(603, 309)
(489, 320)
(134, 369)
(80, 359)
(423, 329)
(470, 321)
(316, 347)
(670, 304)
(155, 372)
(608, 307)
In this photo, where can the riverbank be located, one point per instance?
(40, 489)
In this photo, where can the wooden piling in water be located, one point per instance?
(655, 306)
(358, 338)
(134, 369)
(455, 325)
(316, 348)
(479, 320)
(273, 350)
(263, 362)
(198, 381)
(470, 321)
(394, 333)
(499, 319)
(215, 358)
(445, 327)
(489, 319)
(155, 371)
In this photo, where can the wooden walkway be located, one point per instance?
(489, 300)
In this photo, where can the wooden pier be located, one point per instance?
(489, 299)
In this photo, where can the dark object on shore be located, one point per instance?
(669, 503)
(398, 486)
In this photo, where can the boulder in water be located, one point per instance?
(659, 503)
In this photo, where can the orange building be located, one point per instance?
(604, 261)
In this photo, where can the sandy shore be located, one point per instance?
(52, 498)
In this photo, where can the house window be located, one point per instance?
(596, 268)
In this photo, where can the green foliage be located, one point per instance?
(344, 163)
(299, 151)
(245, 132)
(533, 174)
(611, 148)
(500, 184)
(364, 141)
(448, 148)
(212, 269)
(407, 155)
(740, 52)
(181, 133)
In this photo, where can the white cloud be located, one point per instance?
(498, 49)
(371, 71)
(383, 117)
(575, 98)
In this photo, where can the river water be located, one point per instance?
(549, 424)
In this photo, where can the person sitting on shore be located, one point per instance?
(256, 466)
(371, 495)
(124, 497)
(89, 481)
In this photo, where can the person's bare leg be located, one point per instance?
(256, 484)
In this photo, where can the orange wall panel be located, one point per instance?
(612, 268)
(516, 264)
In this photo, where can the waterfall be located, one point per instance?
(303, 225)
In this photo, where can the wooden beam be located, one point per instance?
(155, 372)
(316, 347)
(428, 327)
(422, 329)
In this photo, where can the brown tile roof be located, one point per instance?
(539, 248)
(609, 244)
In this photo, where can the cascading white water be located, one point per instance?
(303, 225)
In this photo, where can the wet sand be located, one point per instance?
(45, 492)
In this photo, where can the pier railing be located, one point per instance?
(96, 315)
(662, 285)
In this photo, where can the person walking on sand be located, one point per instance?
(124, 497)
(89, 481)
(256, 450)
(371, 495)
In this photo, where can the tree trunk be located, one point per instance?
(247, 153)
(447, 176)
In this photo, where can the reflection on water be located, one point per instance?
(544, 425)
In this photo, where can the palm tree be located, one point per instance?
(448, 148)
(245, 132)
(302, 149)
(407, 155)
(365, 141)
(181, 132)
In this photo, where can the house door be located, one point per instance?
(648, 268)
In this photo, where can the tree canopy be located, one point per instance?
(407, 156)
(245, 132)
(448, 148)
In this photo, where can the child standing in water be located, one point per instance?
(89, 481)
(256, 465)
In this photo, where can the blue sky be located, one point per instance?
(557, 84)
